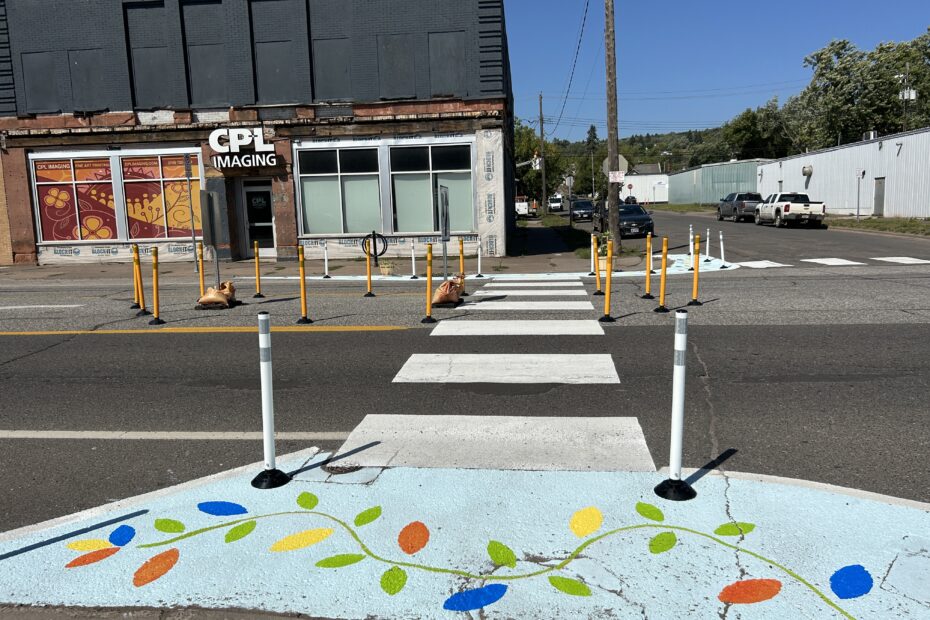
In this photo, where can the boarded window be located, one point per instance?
(397, 66)
(332, 79)
(148, 49)
(274, 50)
(447, 64)
(204, 26)
(41, 83)
(87, 79)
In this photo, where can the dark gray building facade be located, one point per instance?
(358, 110)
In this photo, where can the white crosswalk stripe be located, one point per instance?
(518, 328)
(534, 293)
(530, 305)
(578, 369)
(903, 260)
(761, 264)
(542, 285)
(831, 262)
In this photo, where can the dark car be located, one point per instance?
(582, 210)
(739, 206)
(635, 221)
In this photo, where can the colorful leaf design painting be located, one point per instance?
(738, 528)
(393, 580)
(586, 521)
(851, 582)
(338, 561)
(413, 537)
(501, 554)
(89, 544)
(92, 557)
(750, 591)
(662, 542)
(122, 535)
(307, 501)
(367, 516)
(653, 513)
(169, 526)
(155, 568)
(470, 600)
(240, 531)
(221, 509)
(570, 586)
(302, 540)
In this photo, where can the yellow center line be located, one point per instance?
(211, 330)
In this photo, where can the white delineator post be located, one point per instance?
(690, 247)
(722, 257)
(480, 252)
(326, 275)
(707, 251)
(413, 260)
(675, 488)
(271, 477)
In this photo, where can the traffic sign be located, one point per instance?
(617, 176)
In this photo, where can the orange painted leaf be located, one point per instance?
(93, 556)
(750, 591)
(413, 537)
(155, 567)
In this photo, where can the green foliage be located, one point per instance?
(908, 226)
(501, 554)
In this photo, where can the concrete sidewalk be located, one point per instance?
(440, 543)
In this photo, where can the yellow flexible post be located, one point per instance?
(135, 281)
(137, 263)
(258, 275)
(648, 294)
(429, 285)
(156, 319)
(462, 264)
(662, 278)
(368, 247)
(595, 247)
(697, 271)
(303, 320)
(200, 267)
(610, 268)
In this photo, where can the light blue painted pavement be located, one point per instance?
(812, 533)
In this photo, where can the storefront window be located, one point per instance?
(157, 202)
(340, 191)
(75, 200)
(416, 175)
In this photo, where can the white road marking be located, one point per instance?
(518, 328)
(532, 284)
(530, 305)
(831, 262)
(487, 442)
(169, 435)
(534, 293)
(59, 307)
(577, 369)
(903, 260)
(761, 264)
(541, 277)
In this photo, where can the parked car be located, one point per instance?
(555, 203)
(582, 210)
(739, 206)
(635, 221)
(786, 208)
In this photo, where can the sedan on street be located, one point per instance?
(582, 210)
(635, 221)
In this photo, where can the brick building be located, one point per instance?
(313, 121)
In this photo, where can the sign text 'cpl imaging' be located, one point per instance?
(228, 143)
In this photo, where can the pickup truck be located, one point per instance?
(738, 206)
(786, 208)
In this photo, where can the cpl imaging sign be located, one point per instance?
(229, 142)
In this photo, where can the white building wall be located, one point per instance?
(903, 160)
(644, 185)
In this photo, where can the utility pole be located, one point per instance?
(542, 156)
(610, 44)
(592, 174)
(907, 90)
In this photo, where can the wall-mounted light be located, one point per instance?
(807, 171)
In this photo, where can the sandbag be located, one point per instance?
(447, 293)
(223, 297)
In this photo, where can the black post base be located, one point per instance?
(304, 321)
(724, 266)
(690, 268)
(652, 272)
(695, 302)
(258, 296)
(707, 260)
(369, 295)
(143, 313)
(662, 310)
(479, 276)
(428, 320)
(675, 490)
(134, 307)
(270, 479)
(414, 278)
(647, 296)
(598, 293)
(156, 322)
(591, 274)
(327, 277)
(607, 319)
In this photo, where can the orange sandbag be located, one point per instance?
(447, 293)
(223, 297)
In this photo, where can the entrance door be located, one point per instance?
(258, 218)
(879, 208)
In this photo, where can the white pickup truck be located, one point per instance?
(787, 208)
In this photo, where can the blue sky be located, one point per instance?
(683, 64)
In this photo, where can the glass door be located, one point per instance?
(258, 218)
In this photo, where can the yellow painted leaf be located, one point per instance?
(302, 540)
(586, 521)
(89, 544)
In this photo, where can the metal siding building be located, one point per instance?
(711, 182)
(896, 182)
(647, 187)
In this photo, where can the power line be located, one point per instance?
(571, 76)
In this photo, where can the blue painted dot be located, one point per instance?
(851, 582)
(475, 599)
(122, 535)
(221, 509)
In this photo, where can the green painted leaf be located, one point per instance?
(650, 512)
(662, 542)
(734, 529)
(338, 561)
(169, 526)
(570, 586)
(307, 501)
(367, 516)
(240, 531)
(501, 554)
(393, 580)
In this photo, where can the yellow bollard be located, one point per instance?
(303, 320)
(648, 294)
(135, 282)
(597, 264)
(662, 307)
(429, 285)
(610, 269)
(156, 318)
(203, 290)
(137, 267)
(258, 275)
(462, 265)
(697, 271)
(368, 267)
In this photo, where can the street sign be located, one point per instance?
(630, 186)
(617, 176)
